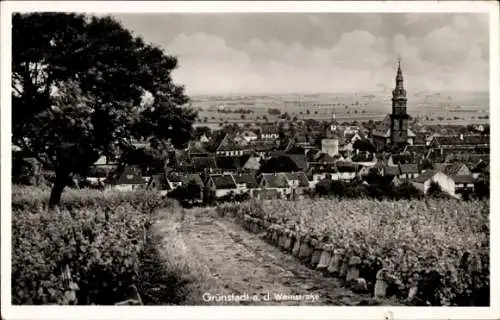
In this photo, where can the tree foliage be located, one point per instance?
(364, 145)
(279, 164)
(79, 89)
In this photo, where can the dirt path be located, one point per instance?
(243, 263)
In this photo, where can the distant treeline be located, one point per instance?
(240, 110)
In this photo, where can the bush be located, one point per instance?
(273, 111)
(482, 189)
(99, 248)
(84, 252)
(435, 191)
(377, 188)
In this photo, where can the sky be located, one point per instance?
(254, 53)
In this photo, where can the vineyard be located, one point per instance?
(433, 252)
(103, 248)
(94, 249)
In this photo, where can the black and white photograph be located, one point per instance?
(261, 157)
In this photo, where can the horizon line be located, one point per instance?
(327, 93)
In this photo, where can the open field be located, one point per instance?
(454, 108)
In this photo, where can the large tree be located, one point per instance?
(84, 86)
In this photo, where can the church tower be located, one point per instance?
(399, 116)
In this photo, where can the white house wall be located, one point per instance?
(219, 193)
(446, 183)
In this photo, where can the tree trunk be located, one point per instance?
(58, 187)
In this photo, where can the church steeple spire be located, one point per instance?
(399, 91)
(399, 76)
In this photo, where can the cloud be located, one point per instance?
(445, 57)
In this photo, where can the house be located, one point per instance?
(221, 185)
(480, 167)
(262, 148)
(323, 163)
(324, 158)
(353, 136)
(451, 154)
(459, 173)
(463, 183)
(347, 148)
(300, 139)
(408, 171)
(265, 194)
(139, 143)
(389, 170)
(245, 182)
(424, 181)
(228, 164)
(298, 182)
(204, 164)
(453, 169)
(295, 149)
(312, 154)
(350, 131)
(275, 181)
(197, 149)
(204, 138)
(252, 164)
(238, 139)
(346, 170)
(196, 180)
(97, 175)
(297, 179)
(365, 158)
(402, 158)
(420, 138)
(177, 160)
(299, 160)
(390, 180)
(442, 146)
(100, 170)
(417, 149)
(249, 136)
(479, 128)
(173, 180)
(125, 178)
(159, 183)
(442, 141)
(269, 132)
(465, 157)
(228, 147)
(364, 170)
(316, 177)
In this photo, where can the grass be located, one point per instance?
(171, 273)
